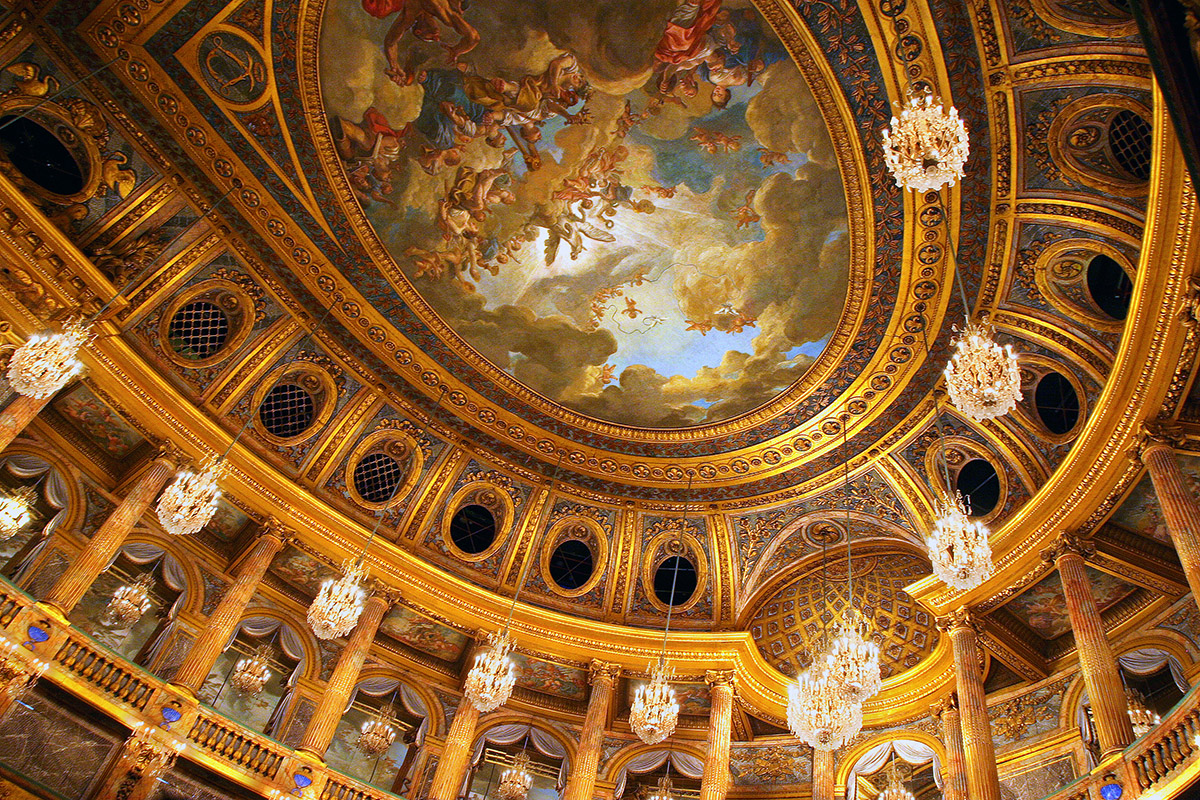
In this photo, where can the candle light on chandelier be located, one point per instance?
(490, 682)
(339, 603)
(655, 711)
(664, 790)
(251, 674)
(516, 780)
(377, 734)
(983, 378)
(927, 145)
(818, 713)
(958, 545)
(16, 511)
(46, 362)
(128, 603)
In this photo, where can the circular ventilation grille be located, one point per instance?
(376, 477)
(473, 529)
(1129, 140)
(198, 330)
(287, 411)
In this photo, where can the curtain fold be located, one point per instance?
(913, 752)
(543, 742)
(380, 685)
(683, 763)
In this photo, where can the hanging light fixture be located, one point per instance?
(958, 545)
(927, 145)
(896, 790)
(190, 500)
(46, 362)
(852, 660)
(516, 780)
(491, 680)
(1144, 720)
(664, 790)
(378, 733)
(16, 510)
(339, 603)
(983, 378)
(251, 674)
(819, 714)
(654, 712)
(128, 603)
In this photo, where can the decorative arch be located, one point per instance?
(312, 652)
(188, 564)
(618, 765)
(851, 757)
(74, 509)
(435, 718)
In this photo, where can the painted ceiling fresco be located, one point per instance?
(1141, 512)
(631, 208)
(1043, 608)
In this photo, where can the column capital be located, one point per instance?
(603, 672)
(961, 618)
(169, 452)
(720, 677)
(383, 593)
(1160, 432)
(947, 705)
(1068, 543)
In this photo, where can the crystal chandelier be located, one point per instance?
(251, 674)
(852, 661)
(663, 792)
(655, 711)
(490, 682)
(516, 780)
(378, 733)
(896, 789)
(819, 714)
(982, 377)
(1144, 720)
(47, 361)
(128, 603)
(958, 545)
(339, 603)
(16, 511)
(190, 501)
(926, 146)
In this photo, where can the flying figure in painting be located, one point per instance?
(421, 17)
(564, 226)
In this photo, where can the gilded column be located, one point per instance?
(715, 782)
(215, 634)
(323, 724)
(17, 415)
(582, 781)
(105, 543)
(1179, 507)
(983, 782)
(946, 712)
(1096, 659)
(452, 766)
(824, 778)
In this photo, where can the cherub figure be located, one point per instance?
(704, 326)
(745, 214)
(714, 142)
(421, 17)
(769, 158)
(631, 310)
(564, 226)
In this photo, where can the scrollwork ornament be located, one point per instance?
(1068, 543)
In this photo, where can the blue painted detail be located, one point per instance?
(1111, 791)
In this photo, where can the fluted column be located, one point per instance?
(1096, 659)
(216, 633)
(452, 766)
(715, 783)
(1179, 506)
(582, 782)
(17, 415)
(946, 712)
(105, 543)
(323, 724)
(983, 782)
(824, 778)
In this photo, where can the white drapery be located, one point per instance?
(380, 685)
(259, 627)
(915, 753)
(543, 742)
(143, 553)
(54, 490)
(683, 763)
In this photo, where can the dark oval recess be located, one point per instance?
(572, 564)
(287, 410)
(980, 486)
(473, 529)
(198, 330)
(40, 156)
(1057, 403)
(684, 584)
(1110, 286)
(376, 477)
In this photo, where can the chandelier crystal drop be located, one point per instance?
(128, 603)
(251, 674)
(47, 361)
(655, 711)
(983, 378)
(926, 146)
(896, 789)
(663, 791)
(852, 661)
(490, 682)
(378, 734)
(516, 780)
(190, 501)
(16, 511)
(1144, 720)
(339, 603)
(958, 545)
(818, 713)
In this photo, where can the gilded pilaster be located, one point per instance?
(105, 543)
(215, 634)
(17, 415)
(946, 712)
(332, 706)
(824, 774)
(146, 756)
(1096, 659)
(582, 781)
(1179, 507)
(452, 766)
(715, 782)
(983, 781)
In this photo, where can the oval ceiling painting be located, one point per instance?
(631, 207)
